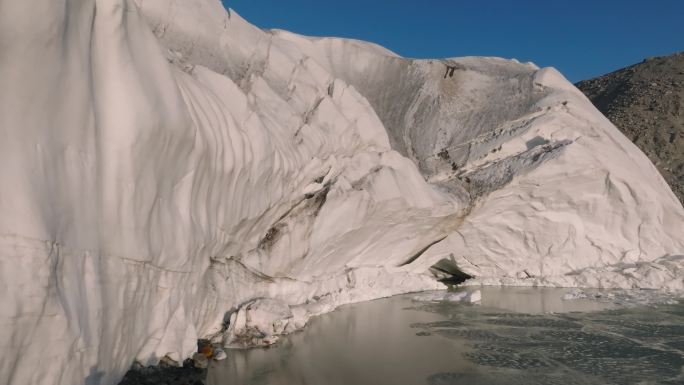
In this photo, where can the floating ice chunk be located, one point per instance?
(574, 294)
(427, 296)
(471, 295)
(474, 296)
(219, 354)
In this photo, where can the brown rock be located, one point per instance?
(646, 102)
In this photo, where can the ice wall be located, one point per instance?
(164, 162)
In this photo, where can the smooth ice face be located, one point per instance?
(165, 163)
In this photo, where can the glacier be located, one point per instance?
(166, 166)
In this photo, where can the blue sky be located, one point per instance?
(582, 38)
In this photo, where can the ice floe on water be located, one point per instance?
(624, 297)
(549, 300)
(464, 295)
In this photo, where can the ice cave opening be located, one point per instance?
(447, 271)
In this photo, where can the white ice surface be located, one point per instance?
(165, 162)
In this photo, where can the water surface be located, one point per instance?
(516, 336)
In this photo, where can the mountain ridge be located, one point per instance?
(646, 102)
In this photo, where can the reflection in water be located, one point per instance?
(512, 338)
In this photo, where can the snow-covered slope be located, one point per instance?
(165, 162)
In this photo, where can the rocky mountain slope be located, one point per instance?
(169, 172)
(646, 102)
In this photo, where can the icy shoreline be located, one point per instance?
(526, 301)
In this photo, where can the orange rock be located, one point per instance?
(207, 350)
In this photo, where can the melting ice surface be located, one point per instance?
(515, 336)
